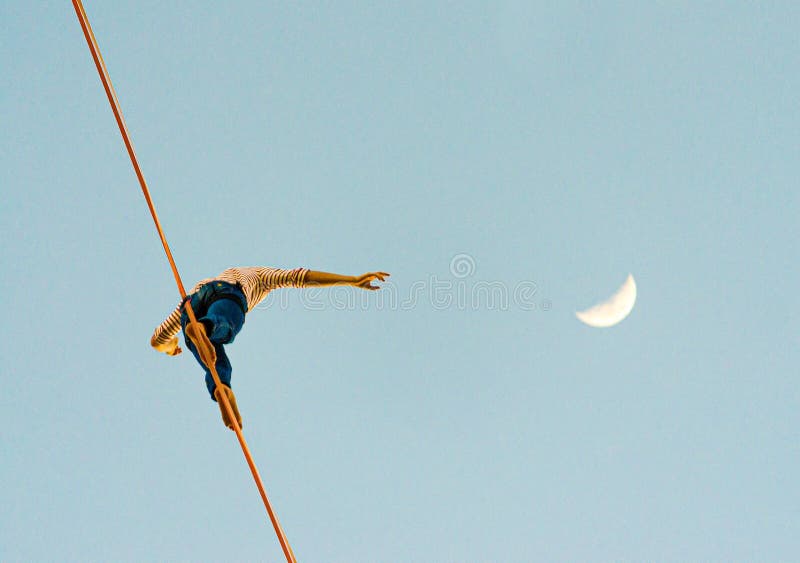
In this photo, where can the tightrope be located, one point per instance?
(198, 328)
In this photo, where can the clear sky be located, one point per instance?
(549, 146)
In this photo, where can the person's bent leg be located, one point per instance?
(226, 319)
(224, 370)
(222, 320)
(190, 345)
(199, 309)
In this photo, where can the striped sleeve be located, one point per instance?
(273, 278)
(256, 281)
(167, 329)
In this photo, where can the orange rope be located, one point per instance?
(112, 99)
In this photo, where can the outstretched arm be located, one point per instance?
(327, 279)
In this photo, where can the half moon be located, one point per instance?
(614, 309)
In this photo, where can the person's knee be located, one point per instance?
(222, 334)
(216, 328)
(208, 325)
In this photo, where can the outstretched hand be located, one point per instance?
(364, 281)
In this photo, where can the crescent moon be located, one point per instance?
(612, 310)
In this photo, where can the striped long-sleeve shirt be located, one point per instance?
(255, 282)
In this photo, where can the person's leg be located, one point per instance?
(190, 345)
(225, 319)
(224, 370)
(222, 320)
(223, 367)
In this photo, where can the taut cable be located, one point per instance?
(199, 329)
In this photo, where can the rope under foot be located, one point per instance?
(197, 332)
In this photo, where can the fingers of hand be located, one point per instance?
(372, 276)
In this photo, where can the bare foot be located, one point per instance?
(232, 401)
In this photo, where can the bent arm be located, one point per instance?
(164, 338)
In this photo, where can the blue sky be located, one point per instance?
(555, 146)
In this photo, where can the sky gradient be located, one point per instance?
(554, 147)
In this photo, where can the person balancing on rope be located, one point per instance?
(221, 304)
